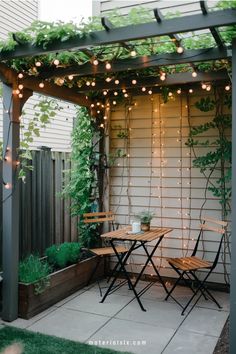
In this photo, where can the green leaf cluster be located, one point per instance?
(34, 270)
(60, 256)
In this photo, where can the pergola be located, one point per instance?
(43, 84)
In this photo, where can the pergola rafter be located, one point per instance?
(143, 62)
(129, 33)
(174, 79)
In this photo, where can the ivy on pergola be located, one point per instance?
(78, 64)
(52, 58)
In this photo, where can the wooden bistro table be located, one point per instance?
(136, 241)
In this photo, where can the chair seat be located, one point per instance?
(106, 251)
(189, 263)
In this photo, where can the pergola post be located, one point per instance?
(12, 107)
(233, 240)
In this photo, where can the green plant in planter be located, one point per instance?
(145, 218)
(34, 270)
(60, 256)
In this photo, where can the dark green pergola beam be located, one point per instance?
(130, 33)
(119, 65)
(172, 79)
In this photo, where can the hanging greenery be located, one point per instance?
(82, 175)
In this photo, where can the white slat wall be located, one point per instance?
(166, 6)
(16, 15)
(135, 183)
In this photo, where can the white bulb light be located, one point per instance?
(150, 92)
(38, 63)
(133, 53)
(144, 89)
(41, 85)
(20, 87)
(204, 86)
(105, 93)
(170, 94)
(194, 74)
(95, 62)
(163, 77)
(179, 91)
(56, 62)
(20, 95)
(190, 90)
(180, 50)
(134, 82)
(117, 82)
(20, 75)
(208, 88)
(124, 90)
(126, 95)
(93, 83)
(115, 93)
(88, 83)
(227, 88)
(108, 79)
(70, 77)
(108, 66)
(114, 103)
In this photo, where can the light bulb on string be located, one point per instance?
(105, 93)
(95, 62)
(20, 95)
(133, 53)
(134, 82)
(227, 88)
(124, 90)
(117, 82)
(108, 79)
(208, 88)
(38, 63)
(180, 50)
(126, 95)
(70, 77)
(20, 76)
(163, 77)
(115, 93)
(41, 85)
(108, 66)
(190, 90)
(88, 83)
(150, 92)
(194, 74)
(93, 83)
(144, 89)
(20, 87)
(114, 103)
(56, 62)
(204, 86)
(179, 91)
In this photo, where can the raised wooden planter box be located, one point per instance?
(62, 284)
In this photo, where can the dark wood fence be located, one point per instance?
(44, 215)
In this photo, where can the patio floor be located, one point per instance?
(161, 329)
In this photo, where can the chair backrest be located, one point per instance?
(217, 226)
(98, 217)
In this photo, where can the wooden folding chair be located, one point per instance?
(188, 266)
(103, 252)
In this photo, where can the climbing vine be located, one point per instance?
(219, 156)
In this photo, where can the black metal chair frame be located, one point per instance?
(191, 275)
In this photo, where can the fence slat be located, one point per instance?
(44, 215)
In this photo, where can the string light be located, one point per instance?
(163, 77)
(105, 93)
(20, 95)
(190, 90)
(70, 77)
(124, 90)
(134, 82)
(117, 82)
(95, 62)
(115, 93)
(144, 89)
(41, 85)
(170, 94)
(180, 50)
(108, 66)
(204, 86)
(179, 91)
(101, 125)
(227, 88)
(150, 92)
(88, 83)
(98, 103)
(20, 87)
(7, 186)
(93, 83)
(38, 63)
(126, 95)
(133, 53)
(92, 105)
(114, 103)
(105, 117)
(56, 62)
(20, 75)
(208, 88)
(194, 74)
(108, 79)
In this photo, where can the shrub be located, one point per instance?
(63, 255)
(33, 270)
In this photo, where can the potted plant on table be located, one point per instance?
(145, 218)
